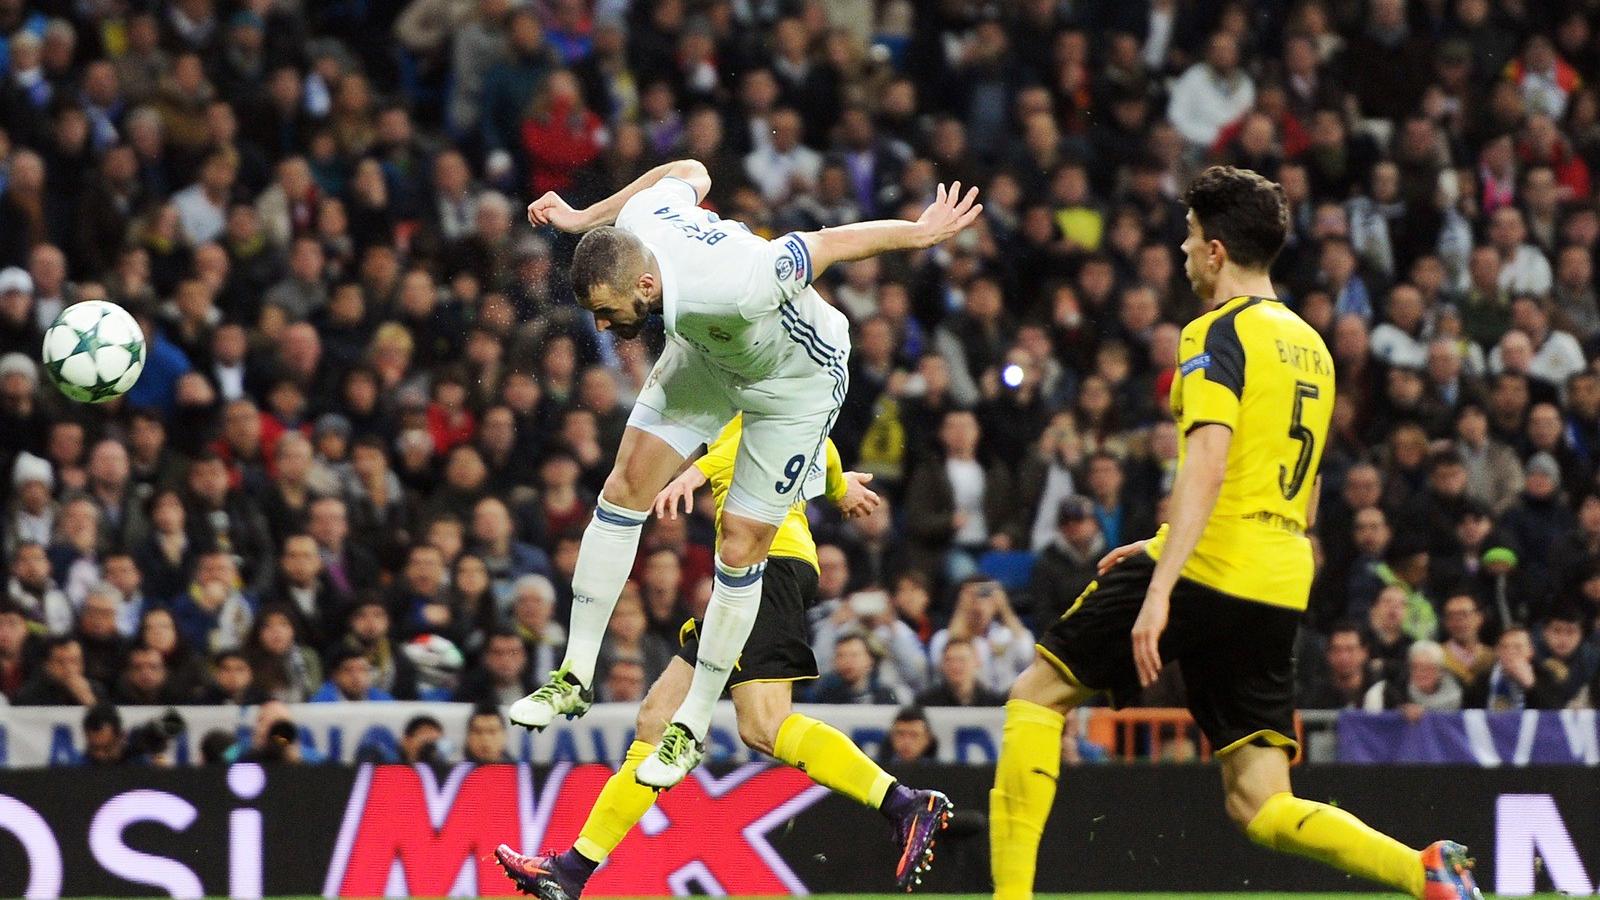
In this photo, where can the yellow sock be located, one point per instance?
(620, 806)
(831, 759)
(1024, 791)
(1330, 835)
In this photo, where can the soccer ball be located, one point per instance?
(94, 351)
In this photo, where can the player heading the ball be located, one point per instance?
(745, 333)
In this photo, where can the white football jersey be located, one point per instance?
(742, 301)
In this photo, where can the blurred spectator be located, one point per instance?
(1570, 660)
(853, 678)
(60, 680)
(624, 681)
(958, 683)
(911, 738)
(1515, 683)
(104, 647)
(33, 510)
(983, 615)
(1346, 676)
(533, 600)
(1424, 686)
(158, 629)
(873, 613)
(420, 741)
(15, 665)
(33, 590)
(627, 640)
(1067, 564)
(104, 740)
(502, 674)
(959, 507)
(349, 678)
(1466, 656)
(282, 665)
(275, 740)
(367, 630)
(146, 682)
(232, 681)
(214, 613)
(486, 736)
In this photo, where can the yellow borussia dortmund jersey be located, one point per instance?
(794, 535)
(1256, 367)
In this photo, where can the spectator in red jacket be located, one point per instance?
(560, 134)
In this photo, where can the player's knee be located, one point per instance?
(625, 491)
(652, 721)
(743, 542)
(759, 734)
(1242, 807)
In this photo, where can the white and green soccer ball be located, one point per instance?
(94, 351)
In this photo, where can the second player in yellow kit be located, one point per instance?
(777, 653)
(1221, 587)
(1258, 369)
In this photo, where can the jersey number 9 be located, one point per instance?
(791, 471)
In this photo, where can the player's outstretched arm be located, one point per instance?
(553, 211)
(949, 214)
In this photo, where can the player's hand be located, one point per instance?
(557, 213)
(1147, 636)
(1118, 555)
(859, 500)
(948, 215)
(680, 492)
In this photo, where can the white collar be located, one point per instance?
(669, 289)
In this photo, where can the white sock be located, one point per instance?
(735, 600)
(604, 559)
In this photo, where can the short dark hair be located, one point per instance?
(606, 256)
(100, 715)
(418, 723)
(1345, 626)
(1243, 210)
(911, 713)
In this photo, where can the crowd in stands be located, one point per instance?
(373, 422)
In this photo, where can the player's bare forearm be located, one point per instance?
(1314, 504)
(1194, 496)
(948, 215)
(547, 210)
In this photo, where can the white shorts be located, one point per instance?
(686, 401)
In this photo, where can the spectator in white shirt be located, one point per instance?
(1211, 94)
(1523, 268)
(984, 616)
(787, 166)
(1551, 356)
(1400, 340)
(203, 206)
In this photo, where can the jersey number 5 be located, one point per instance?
(1290, 483)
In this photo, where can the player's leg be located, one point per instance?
(645, 463)
(1027, 772)
(768, 478)
(769, 724)
(621, 803)
(1256, 782)
(1084, 652)
(1238, 674)
(681, 407)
